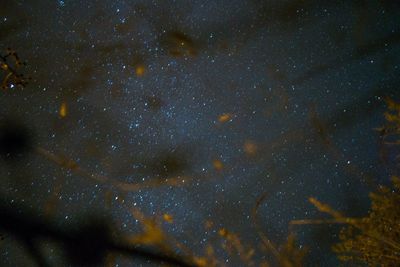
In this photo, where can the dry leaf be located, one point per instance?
(63, 110)
(225, 117)
(168, 218)
(250, 148)
(140, 70)
(218, 165)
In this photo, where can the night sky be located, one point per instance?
(195, 109)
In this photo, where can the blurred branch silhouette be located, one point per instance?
(84, 245)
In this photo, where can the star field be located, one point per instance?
(233, 99)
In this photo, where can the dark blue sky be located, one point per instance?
(302, 84)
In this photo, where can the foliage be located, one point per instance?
(10, 64)
(375, 239)
(390, 133)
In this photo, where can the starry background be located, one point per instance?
(238, 98)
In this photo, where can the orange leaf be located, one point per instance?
(140, 70)
(250, 148)
(218, 165)
(225, 117)
(168, 218)
(63, 110)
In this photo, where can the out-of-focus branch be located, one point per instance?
(83, 245)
